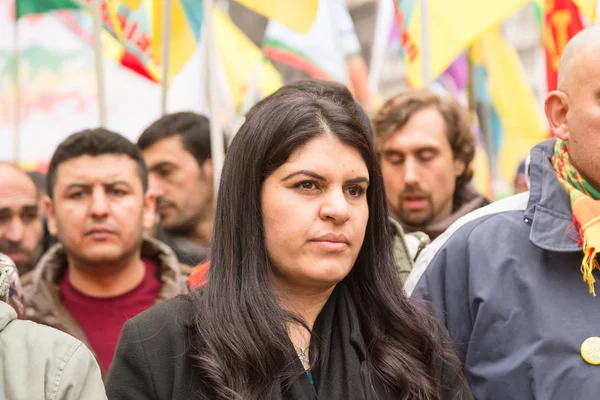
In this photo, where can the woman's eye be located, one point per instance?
(307, 185)
(356, 191)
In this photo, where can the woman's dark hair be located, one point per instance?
(239, 339)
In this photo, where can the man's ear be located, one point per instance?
(49, 208)
(556, 107)
(208, 170)
(149, 210)
(459, 167)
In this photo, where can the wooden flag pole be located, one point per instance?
(17, 94)
(217, 147)
(97, 12)
(383, 26)
(166, 47)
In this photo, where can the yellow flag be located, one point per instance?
(513, 99)
(587, 7)
(241, 58)
(297, 15)
(182, 40)
(453, 26)
(112, 7)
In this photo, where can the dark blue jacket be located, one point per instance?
(508, 287)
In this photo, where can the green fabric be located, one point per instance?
(27, 7)
(539, 13)
(406, 248)
(311, 380)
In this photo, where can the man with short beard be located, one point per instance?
(426, 146)
(177, 151)
(21, 223)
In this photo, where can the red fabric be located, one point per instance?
(103, 318)
(131, 61)
(198, 277)
(562, 22)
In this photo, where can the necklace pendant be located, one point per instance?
(303, 357)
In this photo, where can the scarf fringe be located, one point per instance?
(588, 265)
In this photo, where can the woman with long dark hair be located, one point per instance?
(303, 299)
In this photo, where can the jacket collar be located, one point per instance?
(465, 201)
(53, 264)
(549, 210)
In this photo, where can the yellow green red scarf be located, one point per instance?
(585, 202)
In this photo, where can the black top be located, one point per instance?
(152, 361)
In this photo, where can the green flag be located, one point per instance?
(26, 7)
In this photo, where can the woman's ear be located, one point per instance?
(556, 107)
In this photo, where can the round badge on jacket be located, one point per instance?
(590, 350)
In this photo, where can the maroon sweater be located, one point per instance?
(102, 318)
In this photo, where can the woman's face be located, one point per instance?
(315, 213)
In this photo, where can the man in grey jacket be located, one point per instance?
(513, 284)
(39, 362)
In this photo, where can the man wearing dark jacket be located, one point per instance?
(177, 151)
(514, 282)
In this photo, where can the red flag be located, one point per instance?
(562, 22)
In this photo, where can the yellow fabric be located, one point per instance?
(132, 4)
(298, 15)
(586, 210)
(112, 6)
(183, 42)
(513, 99)
(241, 59)
(587, 7)
(453, 26)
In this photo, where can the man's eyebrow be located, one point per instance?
(305, 172)
(115, 183)
(78, 186)
(160, 165)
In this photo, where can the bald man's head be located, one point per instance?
(10, 170)
(573, 111)
(21, 224)
(574, 52)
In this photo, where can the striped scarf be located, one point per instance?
(585, 203)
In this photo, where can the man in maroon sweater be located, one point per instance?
(103, 271)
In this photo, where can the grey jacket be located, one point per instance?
(507, 285)
(39, 362)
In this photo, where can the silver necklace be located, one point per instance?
(303, 357)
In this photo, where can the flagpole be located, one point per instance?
(97, 12)
(425, 44)
(17, 93)
(217, 148)
(166, 46)
(383, 26)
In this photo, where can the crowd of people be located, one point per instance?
(344, 257)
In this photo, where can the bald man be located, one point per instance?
(21, 225)
(511, 281)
